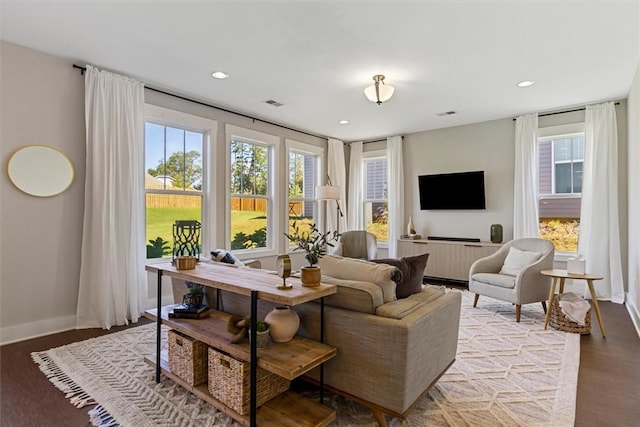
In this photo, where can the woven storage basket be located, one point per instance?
(187, 358)
(229, 382)
(559, 321)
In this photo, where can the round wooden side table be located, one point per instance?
(564, 274)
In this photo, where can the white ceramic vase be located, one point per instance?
(283, 323)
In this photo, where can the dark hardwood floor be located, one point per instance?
(608, 380)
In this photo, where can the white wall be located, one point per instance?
(633, 156)
(42, 103)
(484, 146)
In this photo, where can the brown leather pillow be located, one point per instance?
(412, 268)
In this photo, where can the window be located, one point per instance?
(375, 197)
(560, 163)
(176, 146)
(251, 189)
(173, 183)
(303, 177)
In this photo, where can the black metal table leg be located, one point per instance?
(158, 325)
(254, 359)
(322, 341)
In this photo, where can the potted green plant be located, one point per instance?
(262, 334)
(314, 243)
(194, 296)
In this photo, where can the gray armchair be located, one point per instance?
(526, 286)
(357, 244)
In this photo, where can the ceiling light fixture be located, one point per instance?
(219, 75)
(379, 92)
(526, 83)
(344, 122)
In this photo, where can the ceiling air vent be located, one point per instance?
(447, 113)
(273, 103)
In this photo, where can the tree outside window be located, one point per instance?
(249, 194)
(302, 182)
(173, 183)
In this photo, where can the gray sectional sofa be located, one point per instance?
(390, 352)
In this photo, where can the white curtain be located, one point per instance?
(113, 283)
(355, 218)
(599, 240)
(336, 171)
(395, 192)
(525, 194)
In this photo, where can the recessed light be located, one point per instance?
(219, 75)
(526, 83)
(344, 122)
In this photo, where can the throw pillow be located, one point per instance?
(412, 268)
(360, 270)
(221, 255)
(517, 260)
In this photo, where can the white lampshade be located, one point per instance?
(384, 91)
(327, 192)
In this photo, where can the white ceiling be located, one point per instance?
(316, 57)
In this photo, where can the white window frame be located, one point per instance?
(557, 132)
(368, 156)
(209, 129)
(320, 155)
(274, 210)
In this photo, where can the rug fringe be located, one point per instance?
(76, 395)
(99, 417)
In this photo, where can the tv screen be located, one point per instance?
(449, 191)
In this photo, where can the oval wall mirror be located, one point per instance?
(40, 171)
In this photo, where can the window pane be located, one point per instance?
(577, 148)
(248, 223)
(304, 223)
(249, 168)
(562, 150)
(563, 178)
(577, 177)
(376, 179)
(563, 232)
(162, 211)
(173, 158)
(376, 215)
(296, 175)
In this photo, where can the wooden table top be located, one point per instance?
(564, 274)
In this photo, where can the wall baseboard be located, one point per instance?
(634, 313)
(25, 331)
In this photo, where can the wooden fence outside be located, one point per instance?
(155, 200)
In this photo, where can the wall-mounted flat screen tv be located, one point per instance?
(450, 191)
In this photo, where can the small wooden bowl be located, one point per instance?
(185, 263)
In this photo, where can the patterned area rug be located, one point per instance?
(506, 374)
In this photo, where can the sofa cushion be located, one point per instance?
(360, 270)
(517, 260)
(354, 295)
(403, 307)
(502, 280)
(412, 268)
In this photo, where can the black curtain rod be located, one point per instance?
(184, 98)
(566, 111)
(371, 141)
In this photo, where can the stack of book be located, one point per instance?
(183, 312)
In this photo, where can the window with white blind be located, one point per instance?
(375, 198)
